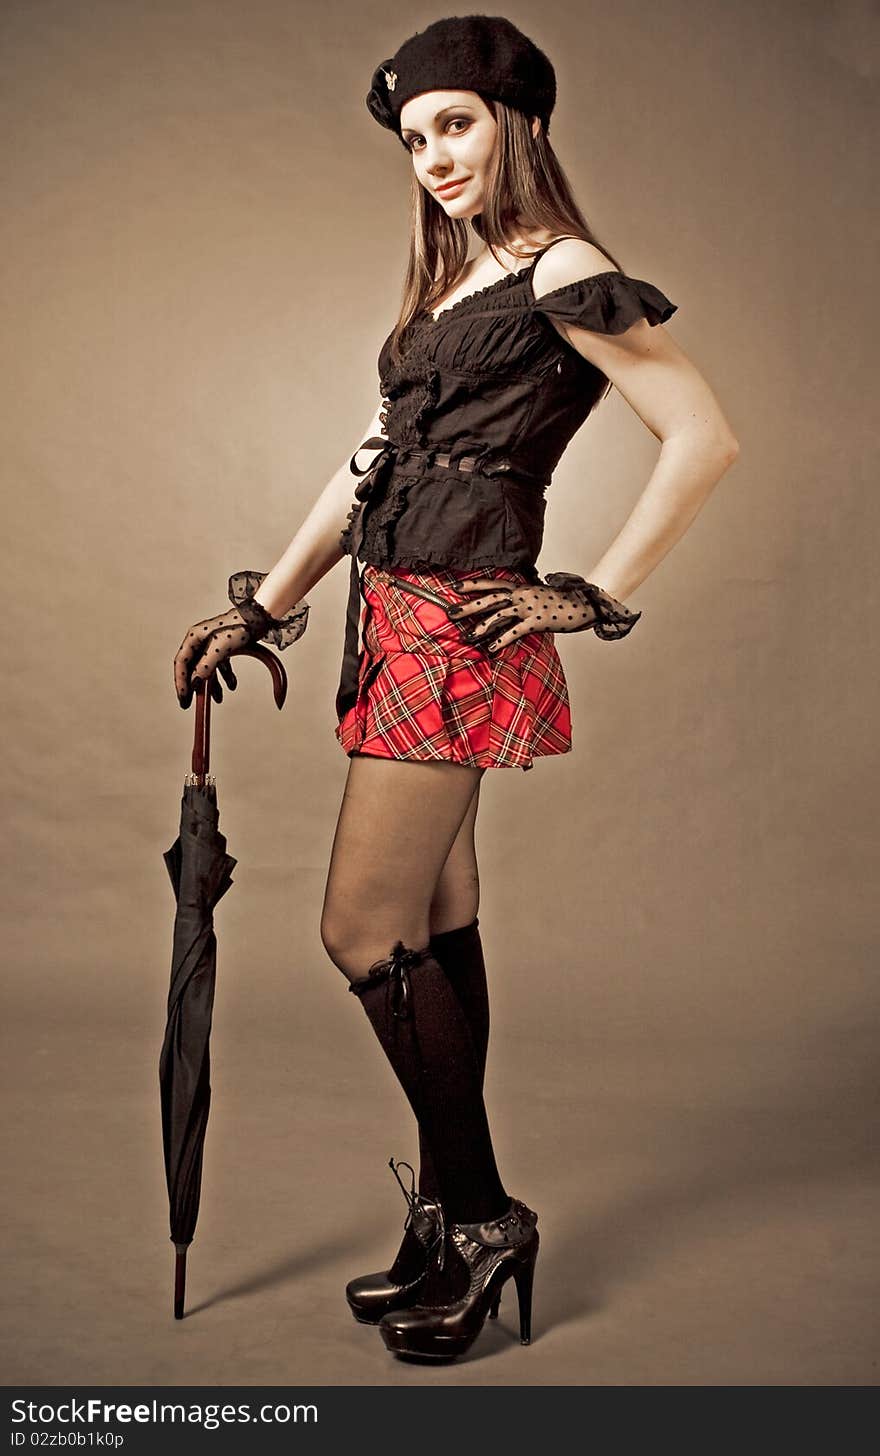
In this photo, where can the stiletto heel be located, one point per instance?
(477, 1258)
(524, 1275)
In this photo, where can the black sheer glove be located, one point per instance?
(564, 602)
(280, 631)
(206, 648)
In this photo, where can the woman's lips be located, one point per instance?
(451, 187)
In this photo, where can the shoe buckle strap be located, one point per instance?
(511, 1229)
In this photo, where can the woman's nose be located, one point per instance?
(437, 158)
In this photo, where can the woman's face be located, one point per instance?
(451, 135)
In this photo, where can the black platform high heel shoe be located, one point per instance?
(370, 1296)
(464, 1285)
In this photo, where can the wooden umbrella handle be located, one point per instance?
(202, 737)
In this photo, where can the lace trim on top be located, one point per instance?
(507, 280)
(345, 534)
(410, 392)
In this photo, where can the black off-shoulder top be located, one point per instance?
(492, 380)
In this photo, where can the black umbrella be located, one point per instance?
(201, 872)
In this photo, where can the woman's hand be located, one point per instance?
(205, 651)
(514, 611)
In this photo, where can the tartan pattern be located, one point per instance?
(424, 693)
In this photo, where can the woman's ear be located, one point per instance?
(536, 125)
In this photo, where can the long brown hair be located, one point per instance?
(526, 191)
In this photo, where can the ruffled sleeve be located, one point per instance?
(608, 303)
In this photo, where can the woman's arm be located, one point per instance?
(673, 400)
(315, 548)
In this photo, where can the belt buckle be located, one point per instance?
(467, 463)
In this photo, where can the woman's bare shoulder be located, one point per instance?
(569, 261)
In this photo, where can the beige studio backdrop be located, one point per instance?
(203, 243)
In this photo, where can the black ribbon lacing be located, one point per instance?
(414, 1199)
(394, 971)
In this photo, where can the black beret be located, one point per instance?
(482, 53)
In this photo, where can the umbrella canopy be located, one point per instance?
(200, 870)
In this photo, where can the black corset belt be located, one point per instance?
(373, 479)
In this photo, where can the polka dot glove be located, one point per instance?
(563, 603)
(206, 648)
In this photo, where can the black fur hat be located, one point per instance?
(482, 53)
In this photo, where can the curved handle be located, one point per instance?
(202, 735)
(274, 664)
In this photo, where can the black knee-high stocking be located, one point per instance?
(460, 953)
(423, 1030)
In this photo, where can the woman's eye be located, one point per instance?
(414, 142)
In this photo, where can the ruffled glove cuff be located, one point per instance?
(612, 621)
(280, 631)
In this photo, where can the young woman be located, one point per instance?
(495, 361)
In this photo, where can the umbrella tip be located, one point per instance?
(179, 1279)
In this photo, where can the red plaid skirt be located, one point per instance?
(424, 693)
